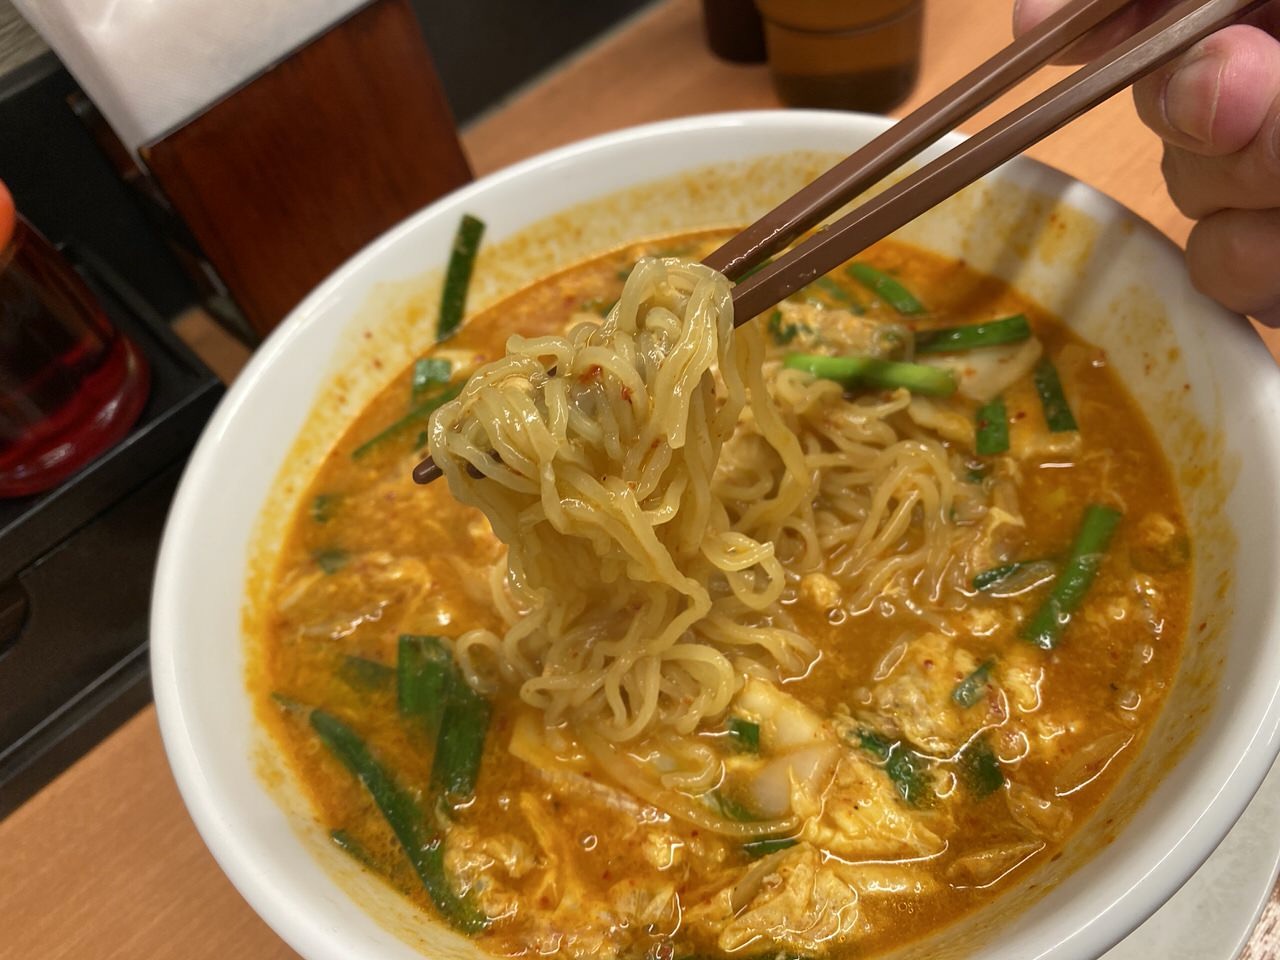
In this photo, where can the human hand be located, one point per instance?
(1217, 108)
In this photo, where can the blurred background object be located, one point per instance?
(734, 30)
(863, 55)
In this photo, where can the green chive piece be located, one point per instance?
(972, 688)
(874, 744)
(755, 849)
(331, 559)
(419, 413)
(423, 845)
(457, 275)
(459, 749)
(429, 372)
(991, 428)
(905, 770)
(987, 579)
(361, 673)
(323, 506)
(745, 734)
(886, 288)
(992, 333)
(1021, 575)
(1057, 412)
(980, 770)
(424, 675)
(872, 371)
(1046, 625)
(838, 295)
(833, 290)
(784, 334)
(354, 848)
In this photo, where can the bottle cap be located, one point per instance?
(7, 216)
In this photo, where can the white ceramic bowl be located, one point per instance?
(1207, 384)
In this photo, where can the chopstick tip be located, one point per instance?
(427, 471)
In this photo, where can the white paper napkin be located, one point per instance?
(150, 65)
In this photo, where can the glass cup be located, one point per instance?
(837, 54)
(71, 385)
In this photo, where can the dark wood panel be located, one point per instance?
(292, 173)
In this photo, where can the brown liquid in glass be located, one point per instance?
(837, 55)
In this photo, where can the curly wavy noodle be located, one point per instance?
(660, 481)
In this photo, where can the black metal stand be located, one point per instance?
(76, 566)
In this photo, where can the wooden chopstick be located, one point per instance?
(901, 203)
(920, 128)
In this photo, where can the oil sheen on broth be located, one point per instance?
(925, 758)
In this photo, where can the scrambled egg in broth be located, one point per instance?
(933, 753)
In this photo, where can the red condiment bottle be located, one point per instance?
(71, 385)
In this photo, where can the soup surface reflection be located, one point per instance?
(936, 747)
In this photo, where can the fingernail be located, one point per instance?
(1191, 97)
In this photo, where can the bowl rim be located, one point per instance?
(306, 932)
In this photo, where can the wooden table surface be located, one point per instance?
(104, 862)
